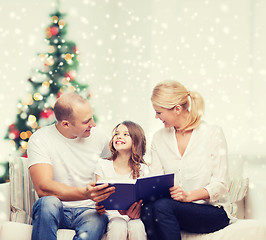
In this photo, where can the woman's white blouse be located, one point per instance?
(204, 163)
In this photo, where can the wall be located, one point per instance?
(215, 47)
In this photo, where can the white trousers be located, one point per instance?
(123, 229)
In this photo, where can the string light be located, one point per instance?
(50, 61)
(46, 84)
(61, 23)
(23, 115)
(37, 96)
(51, 49)
(23, 135)
(29, 133)
(34, 125)
(68, 57)
(24, 145)
(54, 19)
(65, 81)
(31, 119)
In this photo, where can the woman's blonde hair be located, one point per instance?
(138, 149)
(168, 94)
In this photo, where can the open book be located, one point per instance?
(146, 188)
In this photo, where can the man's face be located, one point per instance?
(83, 121)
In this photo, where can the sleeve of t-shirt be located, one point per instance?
(106, 152)
(99, 168)
(144, 170)
(37, 150)
(156, 164)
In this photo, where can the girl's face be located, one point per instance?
(122, 140)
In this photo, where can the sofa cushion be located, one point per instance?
(237, 191)
(22, 194)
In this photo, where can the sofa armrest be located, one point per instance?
(255, 201)
(4, 202)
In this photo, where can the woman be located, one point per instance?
(197, 153)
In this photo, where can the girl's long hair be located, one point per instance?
(138, 149)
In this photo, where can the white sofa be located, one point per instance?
(18, 196)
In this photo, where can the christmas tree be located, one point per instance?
(58, 75)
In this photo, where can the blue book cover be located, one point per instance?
(147, 189)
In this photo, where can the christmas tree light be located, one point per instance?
(58, 75)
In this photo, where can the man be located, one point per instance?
(62, 159)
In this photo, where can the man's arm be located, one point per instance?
(42, 178)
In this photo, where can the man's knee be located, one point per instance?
(91, 225)
(48, 205)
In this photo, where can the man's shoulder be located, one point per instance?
(43, 132)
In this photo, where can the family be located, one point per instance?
(68, 157)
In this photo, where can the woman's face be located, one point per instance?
(122, 140)
(168, 117)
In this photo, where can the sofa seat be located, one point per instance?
(21, 231)
(18, 196)
(244, 229)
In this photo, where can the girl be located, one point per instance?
(128, 146)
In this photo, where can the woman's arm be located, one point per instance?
(217, 187)
(177, 193)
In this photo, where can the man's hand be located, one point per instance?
(98, 193)
(100, 209)
(134, 211)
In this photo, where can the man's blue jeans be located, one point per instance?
(49, 215)
(165, 218)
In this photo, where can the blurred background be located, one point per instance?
(217, 48)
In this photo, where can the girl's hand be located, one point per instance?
(177, 193)
(100, 209)
(134, 211)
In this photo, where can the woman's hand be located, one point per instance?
(134, 211)
(177, 193)
(100, 209)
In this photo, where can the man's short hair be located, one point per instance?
(63, 108)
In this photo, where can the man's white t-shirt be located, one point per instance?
(73, 160)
